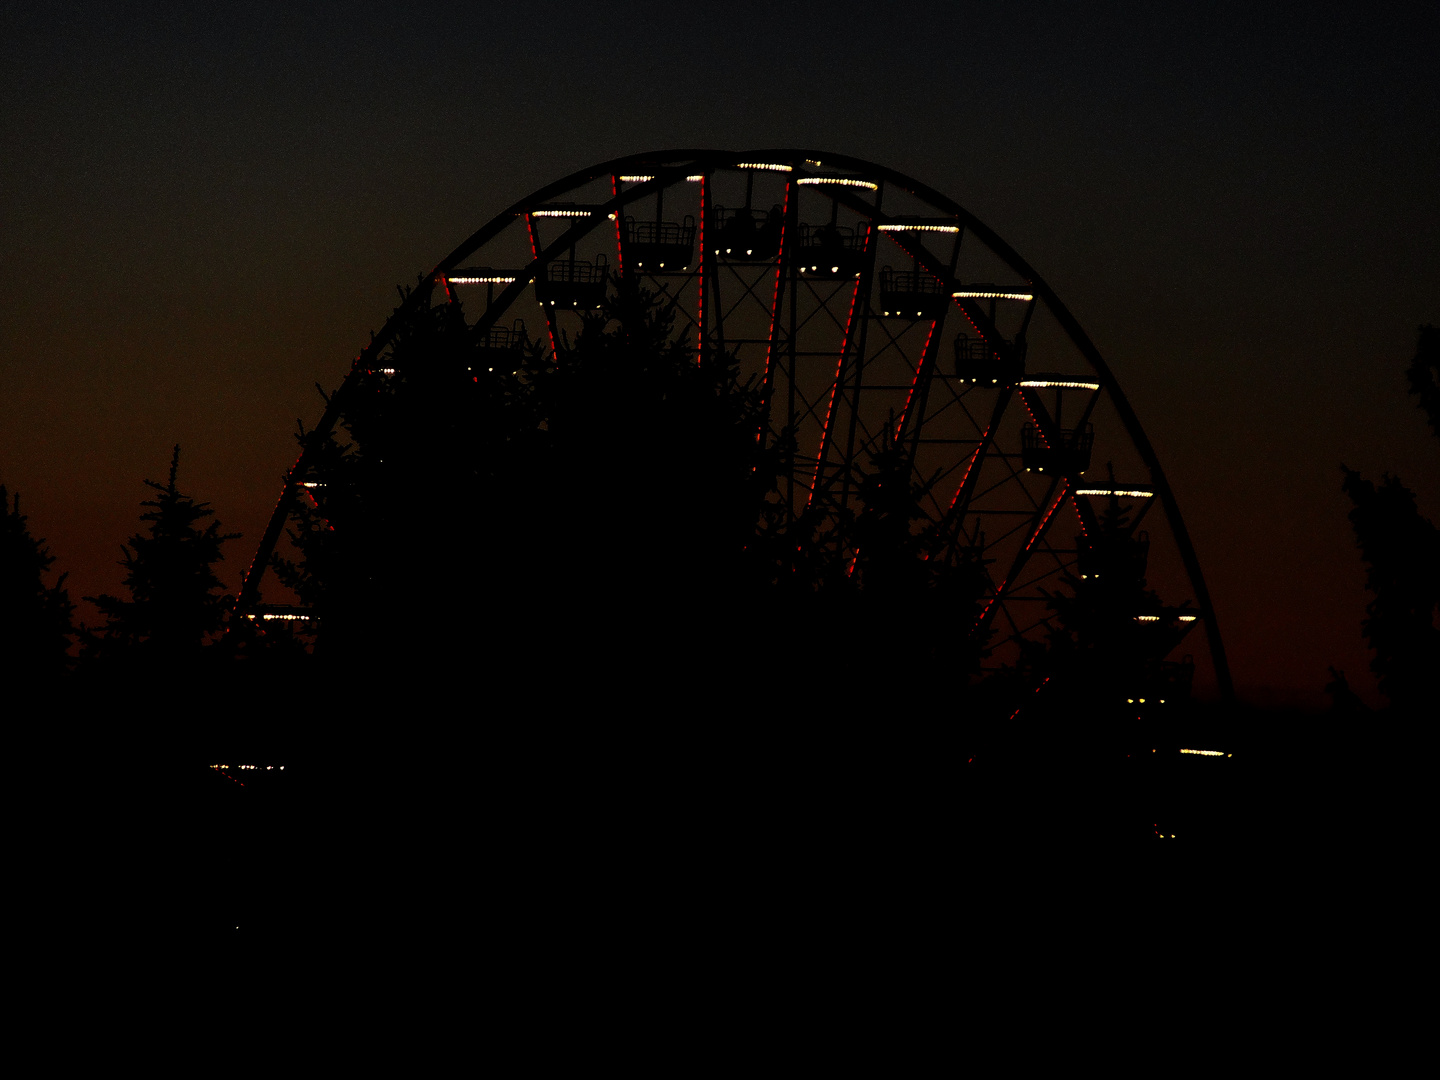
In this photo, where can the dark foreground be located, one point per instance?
(554, 841)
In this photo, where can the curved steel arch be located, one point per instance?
(672, 166)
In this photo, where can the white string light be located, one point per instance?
(839, 181)
(1124, 493)
(973, 294)
(901, 227)
(766, 168)
(1061, 384)
(568, 213)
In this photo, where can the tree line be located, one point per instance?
(605, 512)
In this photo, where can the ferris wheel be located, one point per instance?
(872, 312)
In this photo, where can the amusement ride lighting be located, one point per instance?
(1043, 383)
(1206, 753)
(976, 294)
(902, 227)
(1147, 618)
(695, 178)
(568, 213)
(840, 181)
(1188, 618)
(312, 484)
(636, 179)
(386, 370)
(467, 279)
(765, 167)
(1124, 493)
(271, 617)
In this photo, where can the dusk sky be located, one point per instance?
(205, 210)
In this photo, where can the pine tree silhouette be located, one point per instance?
(176, 602)
(1401, 550)
(35, 627)
(604, 510)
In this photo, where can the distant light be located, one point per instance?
(838, 181)
(468, 280)
(636, 179)
(386, 370)
(974, 294)
(766, 168)
(695, 179)
(568, 213)
(311, 484)
(901, 227)
(1188, 618)
(1124, 493)
(1147, 618)
(1206, 753)
(1061, 384)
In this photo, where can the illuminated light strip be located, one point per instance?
(567, 213)
(1129, 493)
(774, 309)
(1206, 753)
(970, 294)
(636, 179)
(839, 181)
(766, 168)
(921, 228)
(1039, 430)
(835, 386)
(386, 370)
(924, 355)
(619, 245)
(1079, 517)
(1034, 536)
(283, 618)
(479, 280)
(1187, 618)
(266, 768)
(700, 280)
(1017, 711)
(1048, 515)
(698, 178)
(1063, 384)
(985, 438)
(981, 620)
(535, 254)
(1147, 618)
(311, 484)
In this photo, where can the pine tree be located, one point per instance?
(176, 602)
(1401, 550)
(35, 627)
